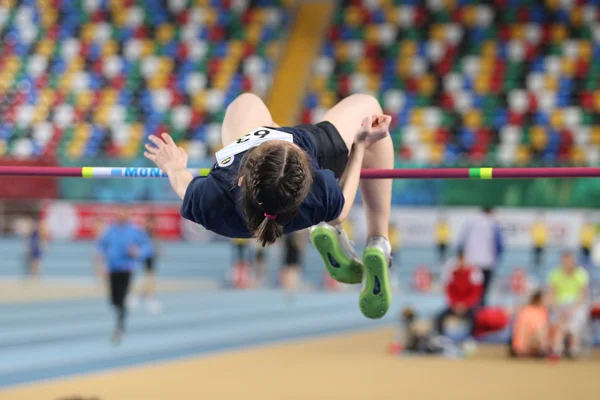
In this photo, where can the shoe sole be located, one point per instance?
(376, 297)
(341, 267)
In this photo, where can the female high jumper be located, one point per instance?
(270, 180)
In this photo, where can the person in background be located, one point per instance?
(240, 250)
(292, 264)
(97, 259)
(260, 266)
(37, 241)
(482, 244)
(463, 287)
(123, 246)
(149, 282)
(539, 238)
(442, 238)
(587, 237)
(530, 330)
(569, 311)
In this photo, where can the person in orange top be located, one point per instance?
(530, 330)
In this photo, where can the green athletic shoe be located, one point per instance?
(376, 296)
(337, 252)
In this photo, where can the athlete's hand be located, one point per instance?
(166, 154)
(373, 129)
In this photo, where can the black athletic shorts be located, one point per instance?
(332, 152)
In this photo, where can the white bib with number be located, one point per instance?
(227, 154)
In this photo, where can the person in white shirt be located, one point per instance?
(482, 244)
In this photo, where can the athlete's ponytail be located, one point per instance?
(276, 177)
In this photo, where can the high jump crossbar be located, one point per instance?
(398, 173)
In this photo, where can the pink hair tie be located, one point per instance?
(269, 216)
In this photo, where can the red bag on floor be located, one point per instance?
(490, 319)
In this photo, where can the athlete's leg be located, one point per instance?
(245, 113)
(347, 117)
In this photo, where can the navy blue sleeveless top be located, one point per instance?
(215, 201)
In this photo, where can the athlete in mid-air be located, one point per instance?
(270, 180)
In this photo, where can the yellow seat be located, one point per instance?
(364, 66)
(437, 153)
(353, 16)
(48, 16)
(557, 119)
(473, 119)
(416, 117)
(403, 67)
(148, 48)
(119, 15)
(576, 16)
(327, 99)
(158, 81)
(427, 135)
(558, 33)
(318, 84)
(469, 16)
(341, 51)
(76, 64)
(108, 97)
(253, 33)
(210, 16)
(489, 50)
(595, 135)
(568, 67)
(110, 48)
(66, 83)
(41, 113)
(538, 138)
(408, 48)
(165, 33)
(222, 81)
(236, 48)
(84, 99)
(523, 154)
(483, 84)
(518, 32)
(585, 50)
(371, 34)
(101, 116)
(87, 32)
(199, 101)
(449, 4)
(45, 47)
(437, 32)
(552, 4)
(550, 83)
(578, 155)
(597, 100)
(374, 83)
(427, 84)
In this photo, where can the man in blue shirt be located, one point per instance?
(122, 246)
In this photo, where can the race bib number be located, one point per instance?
(227, 154)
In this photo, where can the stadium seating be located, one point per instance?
(84, 78)
(504, 82)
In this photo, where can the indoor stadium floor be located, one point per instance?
(229, 344)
